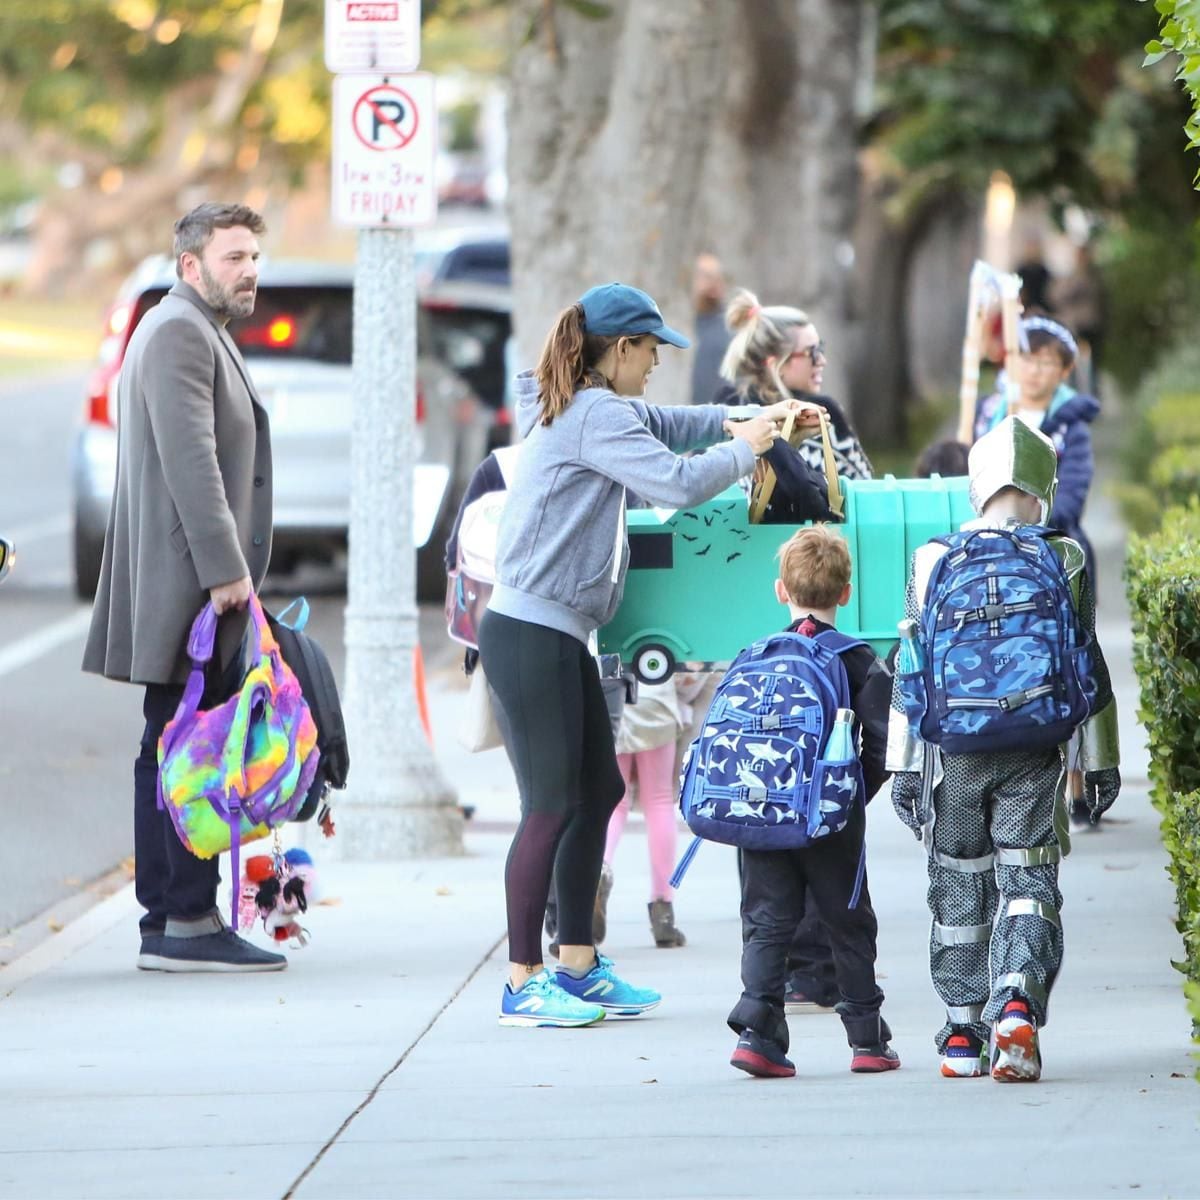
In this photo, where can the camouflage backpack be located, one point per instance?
(1005, 663)
(775, 765)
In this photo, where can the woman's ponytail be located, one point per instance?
(561, 366)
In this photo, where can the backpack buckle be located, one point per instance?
(991, 612)
(770, 721)
(1008, 703)
(756, 793)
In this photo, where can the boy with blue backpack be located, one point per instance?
(776, 771)
(997, 668)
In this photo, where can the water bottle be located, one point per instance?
(840, 745)
(910, 659)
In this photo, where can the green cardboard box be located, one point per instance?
(700, 585)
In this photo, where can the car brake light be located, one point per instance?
(503, 416)
(98, 411)
(420, 404)
(279, 334)
(118, 319)
(282, 332)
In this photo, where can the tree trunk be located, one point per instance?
(906, 344)
(638, 139)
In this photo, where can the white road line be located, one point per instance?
(36, 530)
(30, 649)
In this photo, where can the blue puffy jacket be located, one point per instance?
(1066, 425)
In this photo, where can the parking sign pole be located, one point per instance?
(398, 804)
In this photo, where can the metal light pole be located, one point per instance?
(398, 804)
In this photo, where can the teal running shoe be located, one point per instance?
(542, 1002)
(603, 986)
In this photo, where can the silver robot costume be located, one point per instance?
(994, 825)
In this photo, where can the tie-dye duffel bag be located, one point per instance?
(246, 764)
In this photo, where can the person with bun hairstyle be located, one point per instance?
(776, 353)
(561, 558)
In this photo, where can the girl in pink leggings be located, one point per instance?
(646, 752)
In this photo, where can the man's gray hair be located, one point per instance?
(194, 230)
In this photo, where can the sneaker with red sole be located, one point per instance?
(1016, 1056)
(870, 1060)
(965, 1055)
(761, 1056)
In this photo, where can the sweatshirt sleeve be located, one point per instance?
(618, 439)
(1075, 469)
(682, 428)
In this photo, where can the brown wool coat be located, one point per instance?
(192, 503)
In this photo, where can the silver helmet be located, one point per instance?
(1013, 455)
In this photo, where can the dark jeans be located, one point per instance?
(556, 729)
(169, 880)
(773, 890)
(810, 957)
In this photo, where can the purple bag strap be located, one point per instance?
(200, 646)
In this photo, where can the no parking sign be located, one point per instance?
(384, 150)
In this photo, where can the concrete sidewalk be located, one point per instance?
(374, 1066)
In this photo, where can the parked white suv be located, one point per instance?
(297, 345)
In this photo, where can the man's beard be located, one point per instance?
(227, 303)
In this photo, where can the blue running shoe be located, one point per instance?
(542, 1002)
(603, 986)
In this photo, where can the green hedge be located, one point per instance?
(1162, 573)
(1162, 448)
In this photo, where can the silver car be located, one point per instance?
(297, 345)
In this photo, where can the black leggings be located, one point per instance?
(556, 728)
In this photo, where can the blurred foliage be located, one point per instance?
(119, 69)
(110, 80)
(1161, 458)
(1052, 92)
(1179, 38)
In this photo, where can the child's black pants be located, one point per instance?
(773, 886)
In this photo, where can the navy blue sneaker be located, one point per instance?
(542, 1002)
(204, 944)
(603, 986)
(870, 1060)
(761, 1056)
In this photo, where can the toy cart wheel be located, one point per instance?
(653, 664)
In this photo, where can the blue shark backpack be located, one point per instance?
(759, 775)
(1004, 663)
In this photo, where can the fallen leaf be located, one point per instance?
(649, 1080)
(54, 925)
(72, 881)
(642, 1058)
(443, 891)
(1178, 1075)
(329, 901)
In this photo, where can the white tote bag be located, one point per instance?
(479, 730)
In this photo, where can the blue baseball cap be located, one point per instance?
(617, 310)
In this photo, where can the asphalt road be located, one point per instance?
(68, 740)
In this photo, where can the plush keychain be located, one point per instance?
(278, 889)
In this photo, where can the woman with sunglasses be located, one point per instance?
(776, 353)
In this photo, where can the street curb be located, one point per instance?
(75, 935)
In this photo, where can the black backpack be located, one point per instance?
(312, 669)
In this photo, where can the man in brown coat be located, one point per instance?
(190, 521)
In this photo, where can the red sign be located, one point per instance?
(385, 118)
(372, 12)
